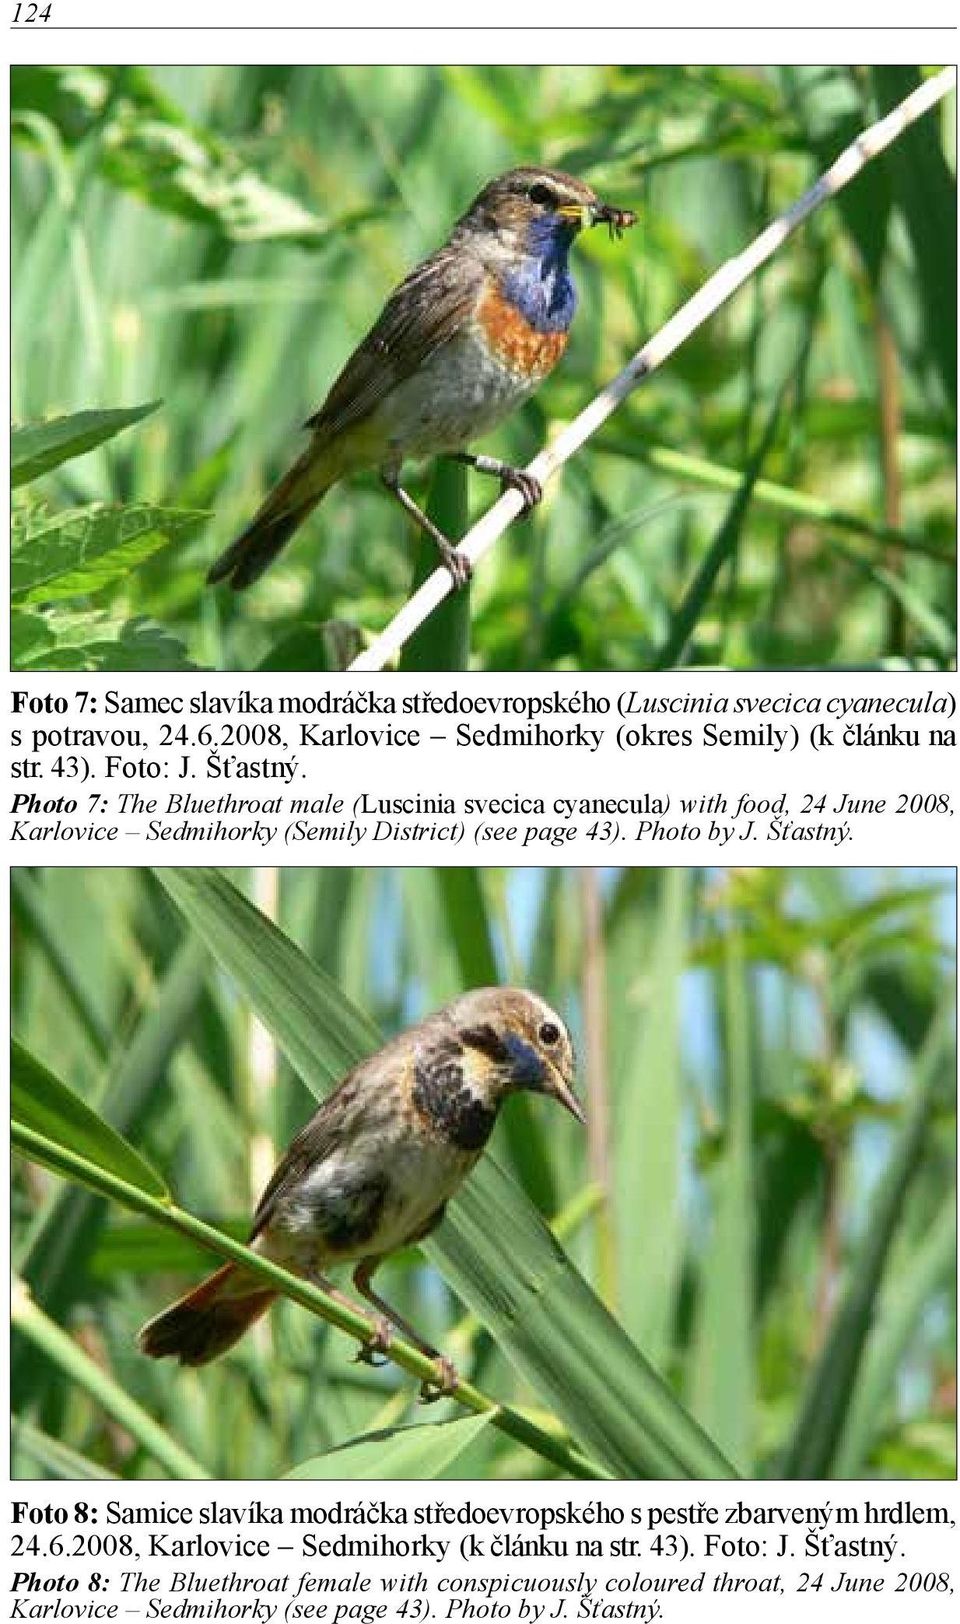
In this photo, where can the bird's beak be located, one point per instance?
(617, 220)
(580, 215)
(560, 1088)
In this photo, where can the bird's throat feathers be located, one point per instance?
(459, 1084)
(515, 1063)
(527, 1069)
(540, 286)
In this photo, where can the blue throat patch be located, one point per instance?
(541, 287)
(527, 1069)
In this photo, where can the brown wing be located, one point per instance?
(356, 1105)
(315, 1141)
(426, 310)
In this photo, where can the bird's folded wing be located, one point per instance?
(434, 302)
(357, 1109)
(318, 1139)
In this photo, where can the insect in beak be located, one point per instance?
(616, 220)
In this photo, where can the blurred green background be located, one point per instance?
(219, 238)
(764, 1197)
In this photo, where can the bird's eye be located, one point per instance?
(549, 1034)
(542, 194)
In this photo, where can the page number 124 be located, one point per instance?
(30, 11)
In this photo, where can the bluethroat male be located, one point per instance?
(462, 342)
(374, 1167)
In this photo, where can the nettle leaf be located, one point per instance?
(82, 549)
(99, 642)
(38, 447)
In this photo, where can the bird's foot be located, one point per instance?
(381, 1335)
(530, 488)
(445, 1382)
(458, 564)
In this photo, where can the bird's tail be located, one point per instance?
(209, 1319)
(283, 512)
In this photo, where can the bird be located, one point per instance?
(374, 1167)
(466, 337)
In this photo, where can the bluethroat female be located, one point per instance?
(374, 1167)
(462, 342)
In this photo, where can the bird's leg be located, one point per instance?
(446, 1378)
(511, 479)
(457, 563)
(379, 1339)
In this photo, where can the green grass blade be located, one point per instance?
(443, 641)
(926, 191)
(936, 630)
(422, 1452)
(46, 1106)
(830, 1389)
(507, 1266)
(58, 1244)
(723, 1377)
(683, 466)
(468, 922)
(720, 551)
(77, 1367)
(930, 1268)
(319, 1030)
(32, 913)
(53, 1458)
(649, 1101)
(54, 1253)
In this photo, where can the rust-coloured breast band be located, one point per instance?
(518, 345)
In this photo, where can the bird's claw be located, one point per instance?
(445, 1382)
(377, 1342)
(460, 567)
(528, 485)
